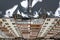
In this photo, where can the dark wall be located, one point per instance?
(46, 4)
(6, 4)
(50, 4)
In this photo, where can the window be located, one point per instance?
(56, 19)
(9, 26)
(14, 26)
(48, 19)
(4, 20)
(59, 19)
(44, 26)
(0, 22)
(13, 23)
(50, 26)
(6, 23)
(55, 25)
(46, 23)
